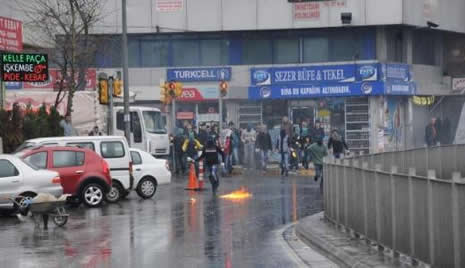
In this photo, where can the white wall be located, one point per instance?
(219, 15)
(447, 13)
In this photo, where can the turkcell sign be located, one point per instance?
(311, 74)
(199, 74)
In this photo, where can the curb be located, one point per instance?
(336, 245)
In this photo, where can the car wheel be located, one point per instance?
(92, 195)
(147, 187)
(116, 193)
(22, 203)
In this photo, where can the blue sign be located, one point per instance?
(312, 74)
(396, 72)
(199, 74)
(333, 89)
(400, 88)
(13, 85)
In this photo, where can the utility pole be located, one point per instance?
(127, 118)
(220, 104)
(173, 117)
(110, 105)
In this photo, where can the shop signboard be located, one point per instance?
(314, 74)
(24, 67)
(55, 76)
(11, 35)
(323, 90)
(169, 5)
(396, 72)
(199, 93)
(199, 74)
(400, 88)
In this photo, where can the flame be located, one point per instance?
(240, 194)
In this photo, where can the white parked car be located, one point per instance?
(148, 172)
(17, 178)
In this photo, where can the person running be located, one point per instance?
(318, 152)
(211, 154)
(337, 143)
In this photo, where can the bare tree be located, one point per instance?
(63, 28)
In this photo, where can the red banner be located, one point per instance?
(11, 35)
(55, 76)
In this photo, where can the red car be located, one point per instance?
(84, 174)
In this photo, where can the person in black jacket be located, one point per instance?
(337, 143)
(263, 144)
(210, 153)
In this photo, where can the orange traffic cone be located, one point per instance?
(192, 184)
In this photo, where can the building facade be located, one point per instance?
(376, 70)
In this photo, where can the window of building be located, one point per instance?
(285, 51)
(155, 53)
(213, 52)
(134, 53)
(256, 52)
(344, 46)
(186, 53)
(423, 48)
(315, 49)
(67, 159)
(38, 160)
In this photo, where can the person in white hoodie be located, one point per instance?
(248, 137)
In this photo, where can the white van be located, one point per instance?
(148, 129)
(114, 149)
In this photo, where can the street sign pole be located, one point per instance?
(127, 118)
(220, 104)
(173, 117)
(2, 95)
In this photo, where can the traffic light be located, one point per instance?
(165, 97)
(117, 84)
(178, 89)
(103, 91)
(224, 88)
(172, 89)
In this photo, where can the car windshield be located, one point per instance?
(154, 122)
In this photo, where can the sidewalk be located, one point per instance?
(340, 247)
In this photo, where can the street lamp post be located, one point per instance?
(127, 118)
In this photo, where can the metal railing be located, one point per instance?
(412, 202)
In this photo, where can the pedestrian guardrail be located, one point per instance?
(412, 202)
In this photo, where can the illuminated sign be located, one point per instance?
(24, 67)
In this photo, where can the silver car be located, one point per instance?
(17, 178)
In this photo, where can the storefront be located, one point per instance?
(359, 100)
(199, 101)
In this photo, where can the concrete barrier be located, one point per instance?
(412, 202)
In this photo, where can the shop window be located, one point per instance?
(285, 51)
(256, 52)
(155, 53)
(213, 52)
(316, 49)
(186, 53)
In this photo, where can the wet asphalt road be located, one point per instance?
(176, 228)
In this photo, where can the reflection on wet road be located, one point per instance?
(176, 228)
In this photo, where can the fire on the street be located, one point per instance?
(240, 194)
